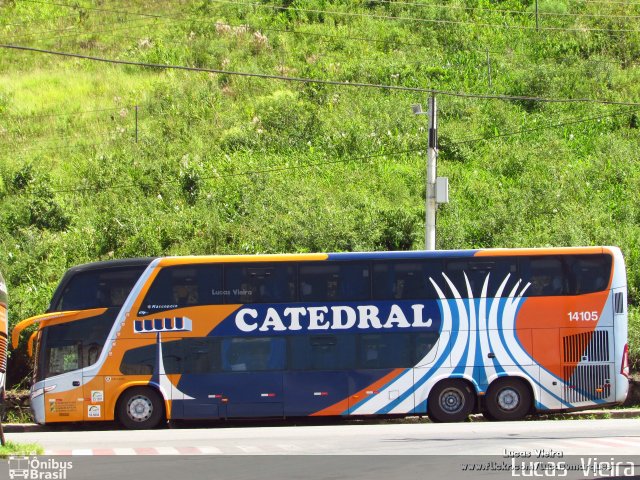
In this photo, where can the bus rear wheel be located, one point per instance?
(507, 399)
(140, 408)
(450, 401)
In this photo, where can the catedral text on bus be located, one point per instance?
(505, 332)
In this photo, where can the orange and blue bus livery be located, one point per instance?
(506, 332)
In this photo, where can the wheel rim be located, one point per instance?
(508, 399)
(451, 400)
(139, 408)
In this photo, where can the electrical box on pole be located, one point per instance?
(442, 190)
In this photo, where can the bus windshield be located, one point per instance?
(97, 289)
(73, 345)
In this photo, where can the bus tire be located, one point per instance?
(450, 401)
(140, 408)
(508, 399)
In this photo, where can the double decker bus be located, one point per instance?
(505, 332)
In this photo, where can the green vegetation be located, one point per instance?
(232, 164)
(634, 338)
(13, 448)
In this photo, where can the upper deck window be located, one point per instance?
(405, 280)
(485, 276)
(98, 288)
(566, 275)
(335, 282)
(258, 283)
(589, 273)
(184, 286)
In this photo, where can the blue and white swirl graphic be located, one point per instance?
(471, 329)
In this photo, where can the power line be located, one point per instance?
(66, 31)
(280, 169)
(341, 37)
(200, 20)
(319, 81)
(543, 127)
(497, 10)
(426, 20)
(289, 31)
(383, 17)
(403, 3)
(239, 174)
(605, 2)
(459, 142)
(28, 22)
(93, 9)
(64, 147)
(83, 112)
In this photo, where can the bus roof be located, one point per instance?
(415, 254)
(125, 262)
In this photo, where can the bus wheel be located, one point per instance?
(508, 399)
(140, 408)
(450, 401)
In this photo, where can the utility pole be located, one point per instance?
(432, 153)
(437, 187)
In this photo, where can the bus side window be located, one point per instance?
(478, 272)
(405, 280)
(589, 273)
(107, 287)
(253, 354)
(93, 351)
(260, 283)
(201, 355)
(335, 281)
(546, 275)
(184, 286)
(139, 361)
(387, 350)
(185, 293)
(424, 351)
(322, 352)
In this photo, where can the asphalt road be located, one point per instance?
(567, 437)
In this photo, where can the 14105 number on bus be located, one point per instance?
(583, 316)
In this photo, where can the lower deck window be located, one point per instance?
(304, 352)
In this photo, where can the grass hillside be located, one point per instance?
(226, 163)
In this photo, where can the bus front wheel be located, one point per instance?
(507, 399)
(450, 401)
(140, 408)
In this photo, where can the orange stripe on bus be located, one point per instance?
(302, 257)
(343, 405)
